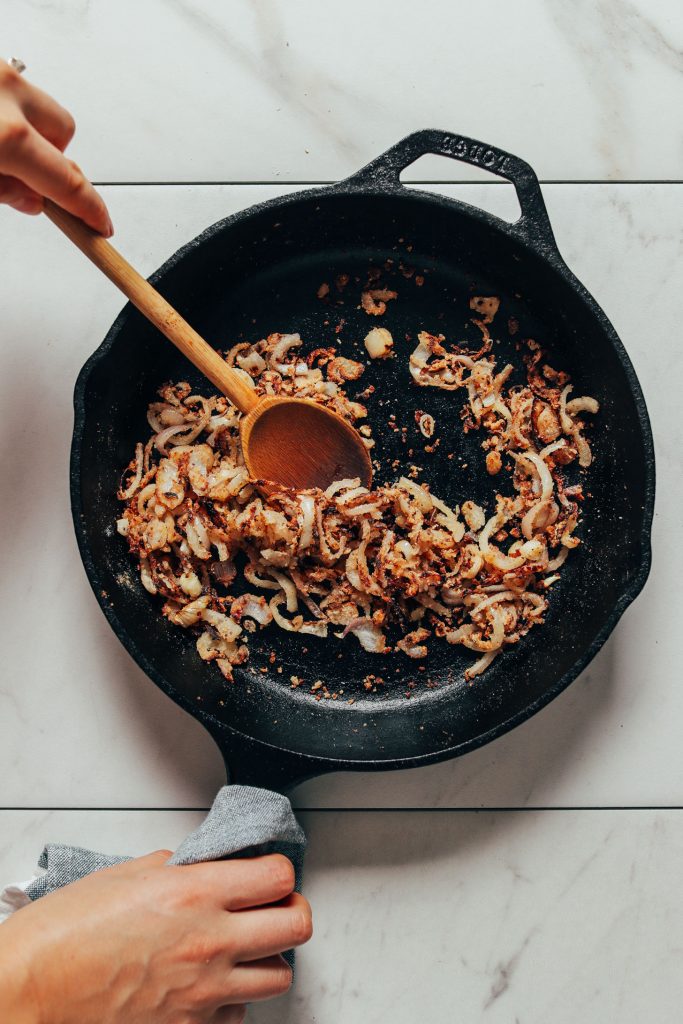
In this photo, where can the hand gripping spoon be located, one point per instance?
(292, 442)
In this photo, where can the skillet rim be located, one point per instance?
(541, 246)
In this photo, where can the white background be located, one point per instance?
(188, 111)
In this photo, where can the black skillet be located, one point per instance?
(258, 272)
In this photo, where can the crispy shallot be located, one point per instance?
(348, 561)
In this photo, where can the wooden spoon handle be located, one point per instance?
(152, 305)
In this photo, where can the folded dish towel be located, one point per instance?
(243, 822)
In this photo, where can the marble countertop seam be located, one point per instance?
(534, 880)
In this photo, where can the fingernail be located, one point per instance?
(110, 228)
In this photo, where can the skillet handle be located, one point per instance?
(250, 763)
(385, 170)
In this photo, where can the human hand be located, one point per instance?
(149, 943)
(34, 132)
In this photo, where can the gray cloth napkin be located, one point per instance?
(243, 822)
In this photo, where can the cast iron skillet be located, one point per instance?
(258, 272)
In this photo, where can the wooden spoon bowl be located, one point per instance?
(292, 442)
(299, 443)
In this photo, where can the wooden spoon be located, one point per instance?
(290, 441)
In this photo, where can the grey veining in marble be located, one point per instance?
(609, 41)
(534, 917)
(271, 90)
(530, 917)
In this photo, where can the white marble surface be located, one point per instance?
(245, 90)
(509, 917)
(612, 739)
(530, 917)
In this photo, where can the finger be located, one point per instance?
(246, 882)
(19, 196)
(269, 930)
(262, 979)
(46, 115)
(52, 121)
(43, 168)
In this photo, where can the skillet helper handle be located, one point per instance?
(153, 306)
(534, 224)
